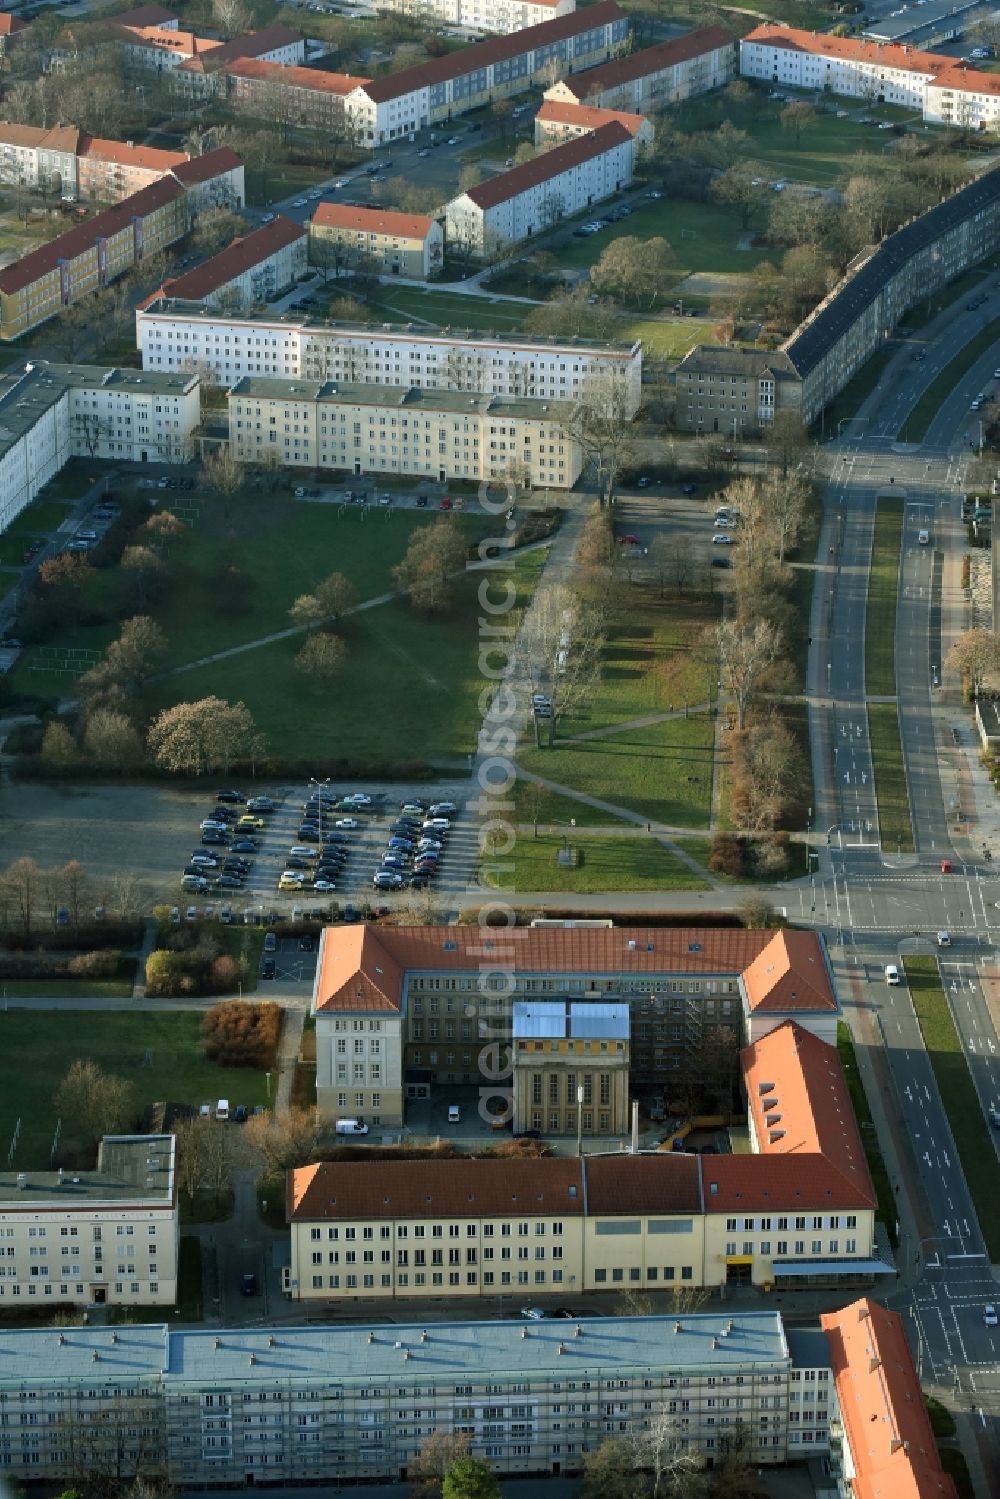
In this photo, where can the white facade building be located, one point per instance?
(501, 16)
(533, 197)
(53, 412)
(102, 1237)
(177, 336)
(254, 268)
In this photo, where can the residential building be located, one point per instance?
(52, 412)
(148, 15)
(70, 164)
(796, 1212)
(881, 1440)
(370, 429)
(255, 268)
(176, 335)
(213, 180)
(528, 199)
(850, 325)
(102, 1237)
(502, 16)
(945, 90)
(292, 95)
(197, 64)
(442, 88)
(557, 122)
(12, 30)
(569, 1055)
(656, 76)
(428, 982)
(393, 244)
(332, 1404)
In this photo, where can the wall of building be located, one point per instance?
(391, 254)
(359, 1069)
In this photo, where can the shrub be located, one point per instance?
(726, 855)
(239, 1034)
(95, 965)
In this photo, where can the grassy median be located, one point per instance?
(891, 794)
(914, 428)
(885, 1212)
(883, 591)
(958, 1095)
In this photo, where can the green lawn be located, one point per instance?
(895, 827)
(450, 309)
(625, 863)
(40, 1045)
(663, 772)
(958, 1095)
(915, 427)
(533, 803)
(704, 237)
(886, 1209)
(409, 688)
(667, 338)
(880, 615)
(66, 988)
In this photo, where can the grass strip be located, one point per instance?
(885, 1212)
(883, 591)
(914, 428)
(890, 777)
(959, 1098)
(609, 863)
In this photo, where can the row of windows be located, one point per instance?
(487, 1230)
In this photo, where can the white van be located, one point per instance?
(892, 974)
(454, 1114)
(222, 1109)
(351, 1127)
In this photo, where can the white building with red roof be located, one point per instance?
(501, 16)
(654, 77)
(396, 244)
(254, 268)
(557, 121)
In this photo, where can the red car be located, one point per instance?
(445, 504)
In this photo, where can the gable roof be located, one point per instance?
(587, 116)
(648, 60)
(252, 44)
(124, 154)
(494, 49)
(83, 237)
(241, 255)
(461, 1187)
(665, 1183)
(886, 55)
(892, 1446)
(203, 168)
(372, 220)
(799, 1105)
(294, 75)
(59, 138)
(966, 80)
(549, 164)
(790, 974)
(145, 15)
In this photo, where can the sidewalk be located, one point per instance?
(288, 1054)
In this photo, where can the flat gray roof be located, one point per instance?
(355, 1355)
(576, 1019)
(915, 19)
(25, 396)
(408, 398)
(809, 1347)
(130, 1169)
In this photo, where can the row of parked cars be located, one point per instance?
(416, 846)
(325, 840)
(229, 843)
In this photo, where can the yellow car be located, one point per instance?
(248, 820)
(291, 881)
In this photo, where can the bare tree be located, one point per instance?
(601, 423)
(976, 657)
(746, 651)
(437, 1453)
(20, 882)
(93, 1101)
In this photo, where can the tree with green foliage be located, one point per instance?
(470, 1478)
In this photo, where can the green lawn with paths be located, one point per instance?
(38, 1047)
(895, 825)
(608, 863)
(704, 237)
(883, 588)
(915, 427)
(958, 1095)
(534, 803)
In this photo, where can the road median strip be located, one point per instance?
(918, 421)
(959, 1099)
(891, 794)
(883, 593)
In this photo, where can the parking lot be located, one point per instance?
(643, 516)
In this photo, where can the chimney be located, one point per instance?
(634, 1144)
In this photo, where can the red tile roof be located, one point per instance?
(12, 25)
(167, 40)
(494, 49)
(240, 256)
(667, 1183)
(145, 15)
(893, 1451)
(548, 164)
(292, 75)
(458, 1188)
(124, 154)
(649, 60)
(967, 80)
(203, 168)
(849, 49)
(252, 44)
(790, 974)
(372, 220)
(83, 237)
(586, 117)
(59, 138)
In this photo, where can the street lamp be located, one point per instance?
(319, 792)
(579, 1120)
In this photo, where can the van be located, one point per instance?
(351, 1127)
(270, 942)
(454, 1114)
(891, 974)
(222, 1109)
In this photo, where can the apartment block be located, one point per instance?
(323, 1405)
(254, 269)
(102, 1237)
(175, 335)
(395, 244)
(196, 65)
(946, 91)
(735, 392)
(501, 16)
(213, 180)
(368, 429)
(294, 95)
(70, 164)
(556, 122)
(654, 77)
(52, 412)
(442, 88)
(528, 199)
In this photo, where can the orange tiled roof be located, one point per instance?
(383, 955)
(849, 49)
(204, 168)
(132, 156)
(239, 256)
(888, 1430)
(433, 1188)
(587, 116)
(59, 138)
(372, 220)
(549, 164)
(967, 80)
(169, 40)
(292, 75)
(790, 974)
(649, 60)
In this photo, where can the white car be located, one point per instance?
(722, 539)
(346, 823)
(990, 1314)
(996, 374)
(359, 798)
(533, 1313)
(944, 939)
(923, 538)
(341, 182)
(268, 218)
(454, 140)
(892, 974)
(300, 203)
(723, 522)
